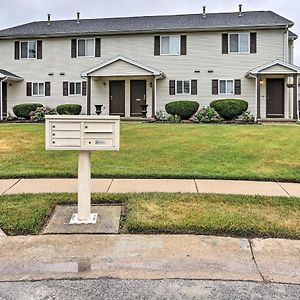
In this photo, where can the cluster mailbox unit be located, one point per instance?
(85, 134)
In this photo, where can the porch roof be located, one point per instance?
(4, 74)
(275, 67)
(121, 66)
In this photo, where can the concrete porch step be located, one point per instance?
(278, 120)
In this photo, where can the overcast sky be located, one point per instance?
(19, 11)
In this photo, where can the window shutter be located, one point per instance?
(225, 43)
(172, 87)
(39, 45)
(215, 86)
(183, 45)
(47, 88)
(65, 88)
(29, 89)
(73, 48)
(83, 88)
(237, 87)
(17, 50)
(194, 87)
(97, 47)
(253, 42)
(157, 45)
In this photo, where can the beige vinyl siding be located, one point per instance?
(203, 53)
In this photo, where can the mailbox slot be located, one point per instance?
(66, 134)
(94, 127)
(66, 142)
(65, 126)
(98, 142)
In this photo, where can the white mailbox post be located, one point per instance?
(85, 134)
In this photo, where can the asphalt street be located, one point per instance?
(146, 289)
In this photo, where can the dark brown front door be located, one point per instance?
(4, 99)
(137, 97)
(117, 98)
(275, 98)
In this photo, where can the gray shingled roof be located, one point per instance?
(292, 35)
(9, 74)
(148, 24)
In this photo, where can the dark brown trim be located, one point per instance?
(253, 42)
(97, 47)
(28, 89)
(73, 48)
(258, 98)
(47, 88)
(153, 96)
(183, 45)
(39, 46)
(172, 87)
(194, 87)
(88, 96)
(157, 45)
(215, 86)
(17, 50)
(225, 43)
(83, 88)
(295, 97)
(65, 88)
(237, 87)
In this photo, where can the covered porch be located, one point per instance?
(276, 91)
(6, 78)
(123, 87)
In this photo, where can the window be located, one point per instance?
(183, 87)
(86, 47)
(38, 89)
(239, 42)
(28, 49)
(226, 87)
(170, 45)
(75, 88)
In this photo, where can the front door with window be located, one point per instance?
(137, 97)
(275, 98)
(4, 99)
(117, 98)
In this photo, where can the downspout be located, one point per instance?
(286, 44)
(255, 77)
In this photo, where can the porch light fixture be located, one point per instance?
(150, 84)
(290, 85)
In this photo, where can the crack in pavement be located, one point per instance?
(255, 262)
(109, 185)
(18, 180)
(284, 189)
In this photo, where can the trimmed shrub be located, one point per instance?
(23, 110)
(229, 109)
(207, 115)
(183, 109)
(69, 109)
(39, 114)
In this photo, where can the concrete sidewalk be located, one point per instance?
(17, 186)
(149, 257)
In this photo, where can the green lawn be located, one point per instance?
(229, 215)
(163, 150)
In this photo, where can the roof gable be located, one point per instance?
(121, 66)
(276, 67)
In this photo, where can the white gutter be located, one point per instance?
(256, 79)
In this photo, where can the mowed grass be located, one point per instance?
(250, 152)
(227, 215)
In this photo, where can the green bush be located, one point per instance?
(183, 109)
(207, 115)
(69, 109)
(24, 110)
(173, 119)
(229, 109)
(39, 114)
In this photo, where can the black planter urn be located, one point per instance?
(98, 109)
(144, 110)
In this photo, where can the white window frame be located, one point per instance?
(20, 49)
(238, 33)
(38, 83)
(69, 87)
(85, 39)
(169, 36)
(226, 80)
(183, 93)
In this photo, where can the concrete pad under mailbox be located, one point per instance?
(108, 220)
(292, 188)
(153, 185)
(127, 257)
(278, 260)
(240, 187)
(6, 184)
(56, 186)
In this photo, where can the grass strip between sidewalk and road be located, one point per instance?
(228, 215)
